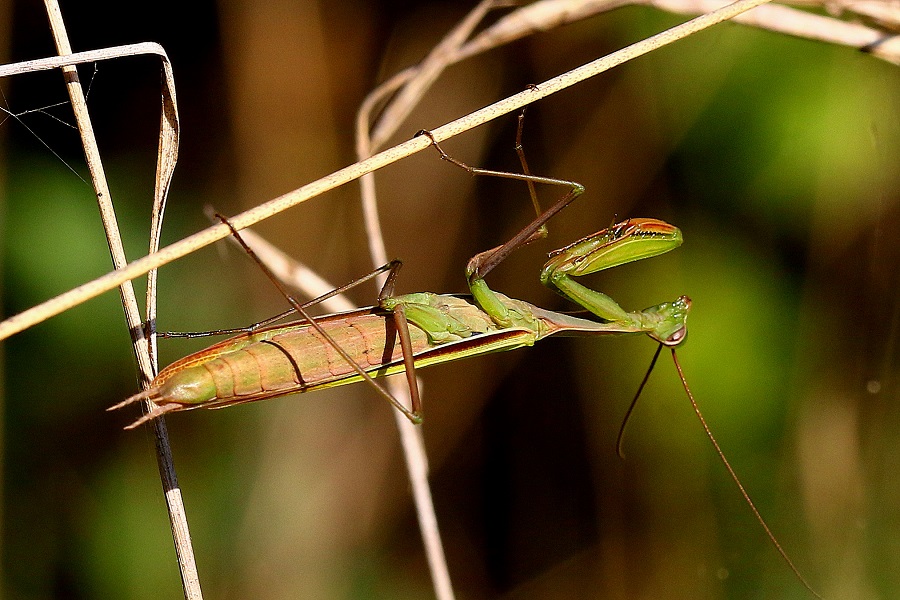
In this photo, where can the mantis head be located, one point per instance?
(667, 322)
(625, 242)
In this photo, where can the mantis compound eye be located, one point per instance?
(676, 339)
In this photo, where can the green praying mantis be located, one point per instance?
(407, 332)
(404, 333)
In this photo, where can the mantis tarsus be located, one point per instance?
(411, 331)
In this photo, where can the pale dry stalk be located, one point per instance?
(167, 156)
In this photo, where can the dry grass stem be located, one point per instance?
(782, 19)
(885, 13)
(426, 72)
(268, 209)
(412, 83)
(90, 56)
(368, 140)
(295, 274)
(879, 42)
(167, 156)
(417, 467)
(311, 284)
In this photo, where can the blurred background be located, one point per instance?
(777, 157)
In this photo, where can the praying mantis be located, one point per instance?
(411, 331)
(403, 333)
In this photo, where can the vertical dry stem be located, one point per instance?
(367, 141)
(177, 516)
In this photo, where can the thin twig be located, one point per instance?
(177, 516)
(166, 158)
(369, 139)
(88, 56)
(412, 84)
(427, 72)
(179, 249)
(886, 13)
(545, 15)
(782, 19)
(294, 273)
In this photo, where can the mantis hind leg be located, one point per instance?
(401, 325)
(249, 329)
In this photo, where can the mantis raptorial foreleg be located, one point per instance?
(625, 242)
(629, 241)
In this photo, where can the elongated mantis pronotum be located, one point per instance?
(403, 333)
